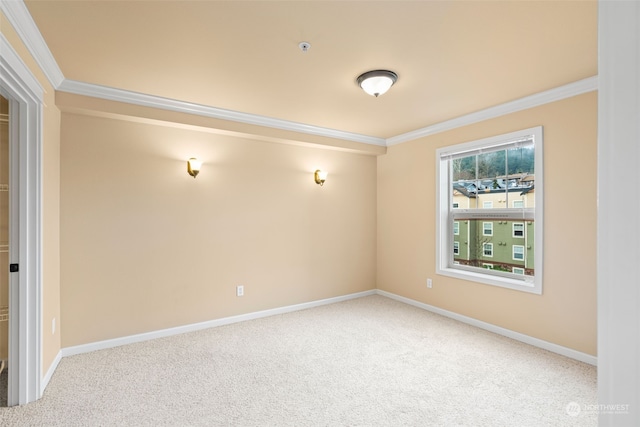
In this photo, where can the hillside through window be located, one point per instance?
(495, 185)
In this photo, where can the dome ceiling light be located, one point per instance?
(377, 82)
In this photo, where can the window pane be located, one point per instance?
(518, 252)
(488, 186)
(521, 177)
(518, 229)
(464, 168)
(487, 249)
(507, 243)
(487, 228)
(490, 166)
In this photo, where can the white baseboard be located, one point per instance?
(52, 368)
(555, 348)
(116, 342)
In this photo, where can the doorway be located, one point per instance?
(4, 249)
(25, 126)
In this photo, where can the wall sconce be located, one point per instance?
(320, 177)
(193, 166)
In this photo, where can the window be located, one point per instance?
(518, 229)
(455, 205)
(518, 252)
(487, 229)
(456, 248)
(487, 266)
(492, 169)
(487, 249)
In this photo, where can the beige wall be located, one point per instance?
(146, 247)
(565, 313)
(50, 202)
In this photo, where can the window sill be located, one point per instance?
(530, 286)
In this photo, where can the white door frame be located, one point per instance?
(618, 227)
(25, 96)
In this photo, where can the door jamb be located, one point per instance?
(25, 95)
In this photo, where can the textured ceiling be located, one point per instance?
(452, 57)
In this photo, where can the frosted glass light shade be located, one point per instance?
(193, 166)
(377, 82)
(320, 177)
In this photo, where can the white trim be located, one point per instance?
(47, 377)
(484, 229)
(513, 230)
(119, 95)
(532, 284)
(618, 273)
(116, 342)
(20, 18)
(513, 253)
(536, 342)
(25, 95)
(567, 91)
(520, 269)
(12, 64)
(486, 246)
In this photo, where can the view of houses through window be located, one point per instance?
(492, 197)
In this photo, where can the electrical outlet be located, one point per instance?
(239, 291)
(429, 284)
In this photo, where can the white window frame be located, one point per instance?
(444, 252)
(487, 204)
(517, 202)
(518, 270)
(484, 229)
(456, 248)
(484, 251)
(513, 252)
(456, 228)
(513, 230)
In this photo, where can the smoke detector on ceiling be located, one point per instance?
(304, 46)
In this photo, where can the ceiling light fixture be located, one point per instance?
(377, 82)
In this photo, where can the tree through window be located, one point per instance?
(497, 185)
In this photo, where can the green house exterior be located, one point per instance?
(498, 244)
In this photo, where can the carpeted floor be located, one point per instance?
(371, 361)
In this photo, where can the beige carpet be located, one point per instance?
(367, 362)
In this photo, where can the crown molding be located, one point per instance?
(567, 91)
(119, 95)
(20, 18)
(11, 64)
